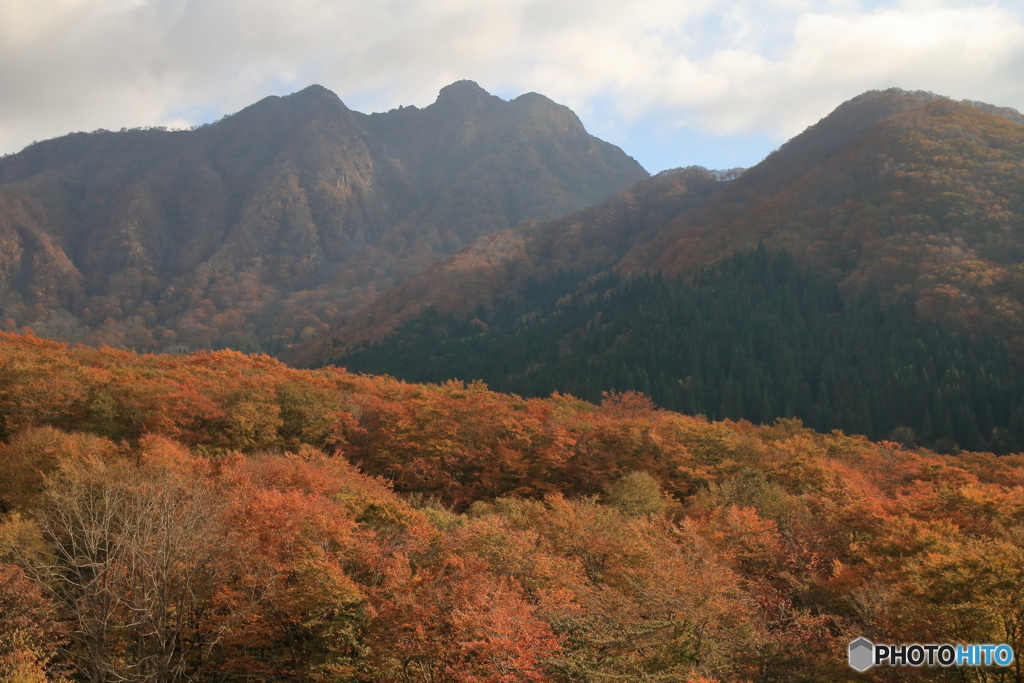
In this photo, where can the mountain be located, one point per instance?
(910, 195)
(879, 297)
(277, 221)
(501, 265)
(907, 192)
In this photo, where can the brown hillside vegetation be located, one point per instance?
(904, 193)
(221, 517)
(927, 202)
(499, 265)
(276, 222)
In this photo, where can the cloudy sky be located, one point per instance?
(673, 82)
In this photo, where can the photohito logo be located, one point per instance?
(864, 654)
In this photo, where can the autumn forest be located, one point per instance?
(461, 394)
(224, 517)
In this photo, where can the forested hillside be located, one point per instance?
(222, 517)
(276, 222)
(500, 267)
(896, 310)
(907, 194)
(753, 338)
(927, 204)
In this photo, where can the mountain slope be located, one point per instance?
(926, 203)
(500, 266)
(897, 211)
(279, 219)
(753, 338)
(904, 192)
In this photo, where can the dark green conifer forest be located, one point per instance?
(752, 338)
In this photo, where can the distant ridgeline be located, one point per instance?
(752, 338)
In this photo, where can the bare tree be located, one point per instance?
(136, 554)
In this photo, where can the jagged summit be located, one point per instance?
(277, 114)
(535, 98)
(315, 93)
(465, 94)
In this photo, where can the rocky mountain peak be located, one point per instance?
(464, 95)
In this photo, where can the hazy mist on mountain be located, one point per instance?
(277, 221)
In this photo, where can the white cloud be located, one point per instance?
(738, 67)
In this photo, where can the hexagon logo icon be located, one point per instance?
(862, 654)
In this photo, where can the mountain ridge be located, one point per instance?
(809, 287)
(283, 217)
(821, 193)
(926, 204)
